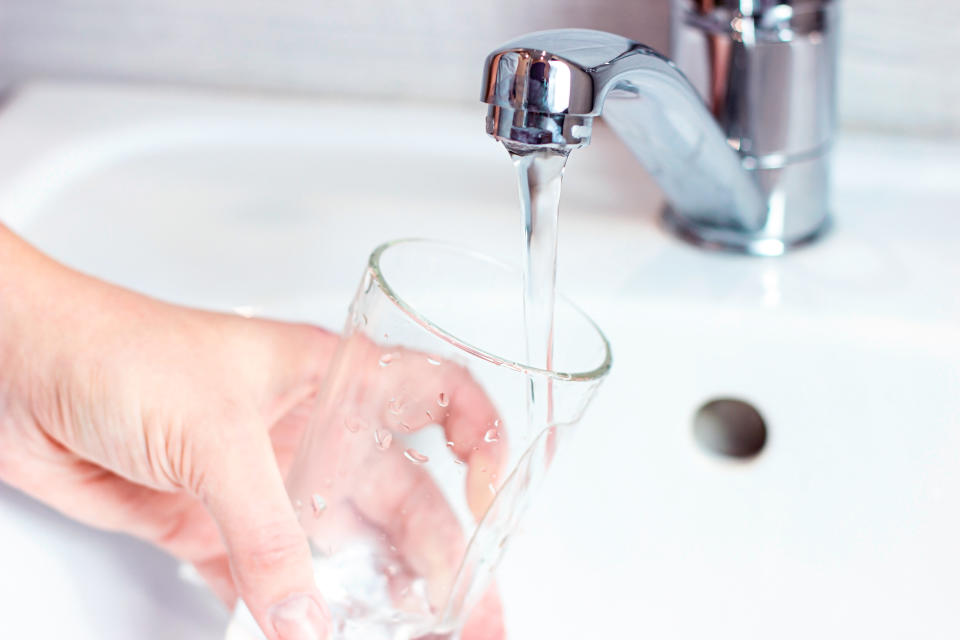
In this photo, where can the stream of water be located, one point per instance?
(539, 177)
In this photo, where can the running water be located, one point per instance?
(539, 175)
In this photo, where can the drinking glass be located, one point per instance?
(425, 446)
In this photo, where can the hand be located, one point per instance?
(138, 416)
(170, 424)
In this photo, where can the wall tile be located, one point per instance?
(898, 62)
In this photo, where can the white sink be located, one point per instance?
(845, 526)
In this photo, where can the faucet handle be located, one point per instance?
(765, 68)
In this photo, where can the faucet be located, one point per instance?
(740, 145)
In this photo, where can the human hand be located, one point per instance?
(142, 417)
(170, 424)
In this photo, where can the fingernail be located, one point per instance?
(299, 617)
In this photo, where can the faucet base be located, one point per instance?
(735, 241)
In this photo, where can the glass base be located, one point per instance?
(368, 596)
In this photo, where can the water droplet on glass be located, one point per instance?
(492, 435)
(383, 438)
(386, 359)
(434, 361)
(353, 424)
(392, 570)
(457, 461)
(450, 444)
(491, 488)
(297, 506)
(415, 456)
(497, 422)
(395, 406)
(429, 415)
(319, 505)
(442, 399)
(359, 320)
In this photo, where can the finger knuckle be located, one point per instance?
(273, 548)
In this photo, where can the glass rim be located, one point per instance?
(373, 265)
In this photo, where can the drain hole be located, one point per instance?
(729, 427)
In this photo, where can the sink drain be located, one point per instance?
(730, 427)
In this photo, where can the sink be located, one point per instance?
(844, 525)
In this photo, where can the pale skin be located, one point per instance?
(170, 424)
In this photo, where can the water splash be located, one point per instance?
(415, 456)
(354, 424)
(318, 504)
(383, 438)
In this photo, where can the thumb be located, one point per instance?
(269, 555)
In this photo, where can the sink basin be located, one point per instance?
(844, 525)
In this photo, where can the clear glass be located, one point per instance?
(420, 457)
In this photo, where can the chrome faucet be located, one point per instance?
(740, 145)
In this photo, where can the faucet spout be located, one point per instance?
(545, 89)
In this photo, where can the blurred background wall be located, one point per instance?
(899, 60)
